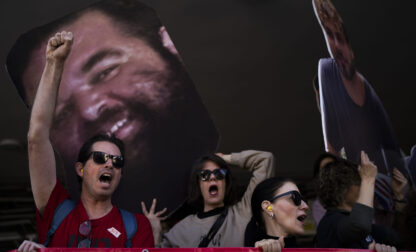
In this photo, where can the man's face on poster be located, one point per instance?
(112, 83)
(340, 48)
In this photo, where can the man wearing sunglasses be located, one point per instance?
(94, 221)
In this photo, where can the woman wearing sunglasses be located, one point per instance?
(347, 192)
(279, 212)
(219, 222)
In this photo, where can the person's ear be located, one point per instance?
(266, 206)
(167, 42)
(79, 169)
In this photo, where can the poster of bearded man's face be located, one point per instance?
(123, 77)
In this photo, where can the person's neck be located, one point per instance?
(96, 208)
(272, 229)
(209, 207)
(355, 88)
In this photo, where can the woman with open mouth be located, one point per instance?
(279, 212)
(219, 222)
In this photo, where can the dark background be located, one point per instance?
(252, 62)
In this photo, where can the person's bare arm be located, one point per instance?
(368, 173)
(42, 166)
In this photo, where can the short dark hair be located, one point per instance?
(335, 180)
(195, 198)
(266, 190)
(85, 150)
(132, 17)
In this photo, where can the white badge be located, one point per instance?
(114, 232)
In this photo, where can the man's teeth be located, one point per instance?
(105, 178)
(118, 125)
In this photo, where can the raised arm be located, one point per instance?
(368, 174)
(262, 165)
(358, 224)
(42, 165)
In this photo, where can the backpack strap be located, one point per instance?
(217, 224)
(130, 225)
(61, 212)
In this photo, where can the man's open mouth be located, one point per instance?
(105, 178)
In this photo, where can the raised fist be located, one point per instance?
(59, 46)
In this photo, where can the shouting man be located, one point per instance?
(94, 221)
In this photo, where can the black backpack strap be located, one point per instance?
(217, 224)
(130, 225)
(61, 212)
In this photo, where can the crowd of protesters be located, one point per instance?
(270, 214)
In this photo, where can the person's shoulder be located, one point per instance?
(185, 223)
(328, 65)
(58, 195)
(330, 216)
(141, 219)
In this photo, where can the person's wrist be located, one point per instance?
(227, 158)
(54, 61)
(368, 180)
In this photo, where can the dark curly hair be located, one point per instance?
(335, 179)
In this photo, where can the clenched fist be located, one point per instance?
(59, 46)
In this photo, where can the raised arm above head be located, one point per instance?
(42, 165)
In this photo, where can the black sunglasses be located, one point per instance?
(295, 195)
(102, 157)
(85, 230)
(219, 174)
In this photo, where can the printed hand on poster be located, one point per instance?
(122, 77)
(353, 117)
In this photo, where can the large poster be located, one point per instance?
(353, 117)
(122, 77)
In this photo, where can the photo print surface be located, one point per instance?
(353, 116)
(122, 77)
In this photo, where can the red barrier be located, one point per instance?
(196, 250)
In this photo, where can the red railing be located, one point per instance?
(194, 250)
